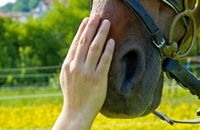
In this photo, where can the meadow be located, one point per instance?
(37, 108)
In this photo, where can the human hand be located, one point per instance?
(84, 73)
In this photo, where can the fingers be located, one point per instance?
(97, 45)
(106, 58)
(82, 51)
(86, 39)
(73, 48)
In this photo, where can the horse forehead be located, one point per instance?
(117, 7)
(113, 10)
(120, 15)
(100, 5)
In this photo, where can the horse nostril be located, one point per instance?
(133, 65)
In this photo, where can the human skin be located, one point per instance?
(84, 75)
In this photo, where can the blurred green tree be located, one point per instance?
(21, 5)
(39, 42)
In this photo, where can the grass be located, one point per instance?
(42, 112)
(29, 101)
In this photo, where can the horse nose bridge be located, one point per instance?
(133, 65)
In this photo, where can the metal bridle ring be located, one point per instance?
(191, 9)
(188, 13)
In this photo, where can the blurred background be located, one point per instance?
(35, 36)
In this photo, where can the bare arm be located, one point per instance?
(84, 75)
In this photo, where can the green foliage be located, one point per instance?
(39, 42)
(21, 5)
(33, 3)
(8, 7)
(7, 41)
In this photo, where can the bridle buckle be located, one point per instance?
(159, 40)
(160, 44)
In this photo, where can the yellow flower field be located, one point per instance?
(44, 115)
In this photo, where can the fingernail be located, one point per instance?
(111, 42)
(106, 23)
(85, 20)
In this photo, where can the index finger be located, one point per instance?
(73, 48)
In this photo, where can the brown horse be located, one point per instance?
(137, 65)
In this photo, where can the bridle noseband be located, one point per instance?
(169, 49)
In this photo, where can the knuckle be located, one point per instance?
(75, 70)
(105, 59)
(92, 23)
(84, 40)
(95, 47)
(103, 30)
(66, 66)
(89, 75)
(76, 42)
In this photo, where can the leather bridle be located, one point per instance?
(169, 49)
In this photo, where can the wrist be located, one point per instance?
(78, 119)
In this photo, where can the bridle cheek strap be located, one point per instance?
(182, 76)
(187, 80)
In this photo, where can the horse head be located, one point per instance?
(136, 74)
